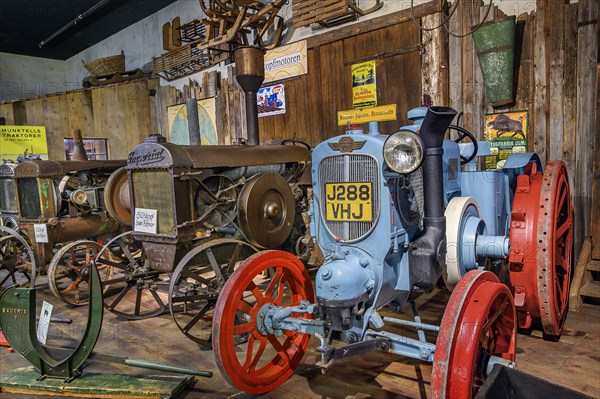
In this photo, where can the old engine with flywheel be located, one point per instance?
(61, 214)
(200, 210)
(395, 215)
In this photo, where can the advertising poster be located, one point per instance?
(179, 132)
(271, 100)
(364, 85)
(285, 62)
(507, 134)
(18, 140)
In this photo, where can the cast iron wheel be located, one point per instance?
(541, 255)
(69, 271)
(264, 361)
(479, 322)
(15, 260)
(132, 289)
(197, 282)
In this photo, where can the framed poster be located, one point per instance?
(271, 100)
(507, 134)
(179, 132)
(364, 85)
(19, 140)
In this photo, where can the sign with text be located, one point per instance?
(507, 134)
(17, 140)
(41, 233)
(286, 62)
(44, 322)
(382, 113)
(146, 220)
(364, 85)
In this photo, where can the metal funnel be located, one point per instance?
(250, 74)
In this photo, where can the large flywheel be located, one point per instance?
(266, 210)
(478, 330)
(541, 256)
(250, 359)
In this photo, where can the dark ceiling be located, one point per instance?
(25, 23)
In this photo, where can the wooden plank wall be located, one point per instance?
(313, 100)
(556, 57)
(123, 113)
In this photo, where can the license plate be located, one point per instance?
(349, 202)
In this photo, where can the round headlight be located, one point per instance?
(403, 152)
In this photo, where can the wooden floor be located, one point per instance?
(573, 362)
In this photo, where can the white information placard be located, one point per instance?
(41, 233)
(145, 220)
(44, 323)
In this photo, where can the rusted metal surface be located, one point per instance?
(555, 234)
(62, 230)
(266, 211)
(250, 73)
(37, 168)
(479, 320)
(116, 197)
(79, 153)
(161, 256)
(541, 236)
(163, 155)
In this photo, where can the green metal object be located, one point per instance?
(24, 381)
(17, 320)
(495, 45)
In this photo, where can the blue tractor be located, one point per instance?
(395, 215)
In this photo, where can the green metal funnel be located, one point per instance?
(495, 45)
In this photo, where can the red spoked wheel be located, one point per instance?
(267, 360)
(478, 322)
(541, 255)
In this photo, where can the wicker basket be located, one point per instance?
(106, 65)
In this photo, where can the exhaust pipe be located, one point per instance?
(79, 153)
(427, 254)
(250, 74)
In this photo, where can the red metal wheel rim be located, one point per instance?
(479, 319)
(555, 236)
(286, 271)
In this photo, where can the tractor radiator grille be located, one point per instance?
(348, 169)
(152, 190)
(29, 199)
(8, 196)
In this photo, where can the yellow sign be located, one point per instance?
(376, 114)
(286, 62)
(507, 134)
(16, 140)
(349, 202)
(364, 85)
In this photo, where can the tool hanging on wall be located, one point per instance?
(327, 13)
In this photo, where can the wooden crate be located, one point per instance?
(307, 12)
